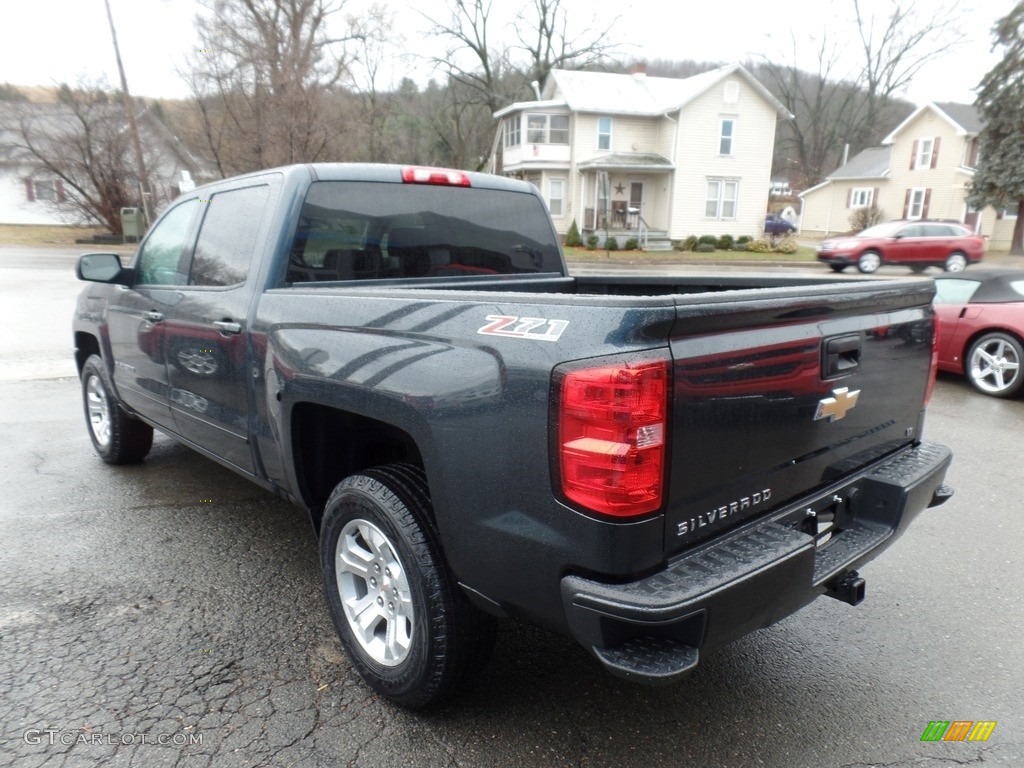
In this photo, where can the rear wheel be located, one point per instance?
(869, 262)
(956, 262)
(407, 627)
(117, 437)
(993, 364)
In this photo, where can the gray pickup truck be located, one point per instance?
(653, 466)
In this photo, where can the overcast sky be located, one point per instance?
(43, 42)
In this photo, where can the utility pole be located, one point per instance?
(133, 128)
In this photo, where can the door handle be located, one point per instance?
(153, 316)
(227, 327)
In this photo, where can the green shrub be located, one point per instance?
(592, 242)
(759, 246)
(572, 237)
(690, 243)
(611, 244)
(705, 248)
(709, 239)
(740, 246)
(631, 245)
(743, 239)
(725, 243)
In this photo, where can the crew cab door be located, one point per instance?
(205, 335)
(136, 314)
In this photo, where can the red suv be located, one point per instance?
(916, 244)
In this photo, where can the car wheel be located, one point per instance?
(837, 267)
(869, 262)
(409, 630)
(117, 437)
(956, 262)
(993, 364)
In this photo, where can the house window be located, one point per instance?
(50, 191)
(917, 203)
(513, 131)
(556, 197)
(926, 153)
(861, 197)
(604, 133)
(725, 136)
(547, 129)
(720, 202)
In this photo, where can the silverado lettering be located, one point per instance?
(357, 340)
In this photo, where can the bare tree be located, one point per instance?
(83, 143)
(895, 46)
(549, 42)
(262, 80)
(856, 105)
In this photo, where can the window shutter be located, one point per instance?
(849, 197)
(30, 192)
(906, 204)
(913, 155)
(935, 151)
(972, 160)
(874, 198)
(59, 186)
(927, 200)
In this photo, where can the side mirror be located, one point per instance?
(102, 268)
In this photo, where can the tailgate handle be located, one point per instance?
(842, 355)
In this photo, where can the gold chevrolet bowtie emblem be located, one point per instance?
(836, 407)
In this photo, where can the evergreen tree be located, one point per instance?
(999, 177)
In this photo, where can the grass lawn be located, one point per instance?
(31, 234)
(583, 255)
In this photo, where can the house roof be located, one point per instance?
(628, 161)
(871, 163)
(636, 94)
(964, 118)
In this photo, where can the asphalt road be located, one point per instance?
(170, 615)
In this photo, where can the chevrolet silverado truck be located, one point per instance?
(653, 466)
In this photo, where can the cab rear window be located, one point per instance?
(368, 230)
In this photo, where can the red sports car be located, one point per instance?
(981, 327)
(915, 244)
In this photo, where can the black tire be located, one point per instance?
(837, 267)
(918, 268)
(420, 639)
(956, 262)
(993, 364)
(869, 262)
(117, 437)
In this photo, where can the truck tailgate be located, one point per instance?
(782, 393)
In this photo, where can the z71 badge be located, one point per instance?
(536, 328)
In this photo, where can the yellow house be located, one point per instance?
(922, 171)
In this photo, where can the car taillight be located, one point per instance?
(440, 176)
(612, 423)
(934, 370)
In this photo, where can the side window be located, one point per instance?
(224, 249)
(160, 259)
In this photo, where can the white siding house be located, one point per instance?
(635, 154)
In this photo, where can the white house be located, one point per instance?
(30, 196)
(660, 157)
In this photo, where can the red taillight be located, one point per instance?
(440, 176)
(611, 437)
(934, 370)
